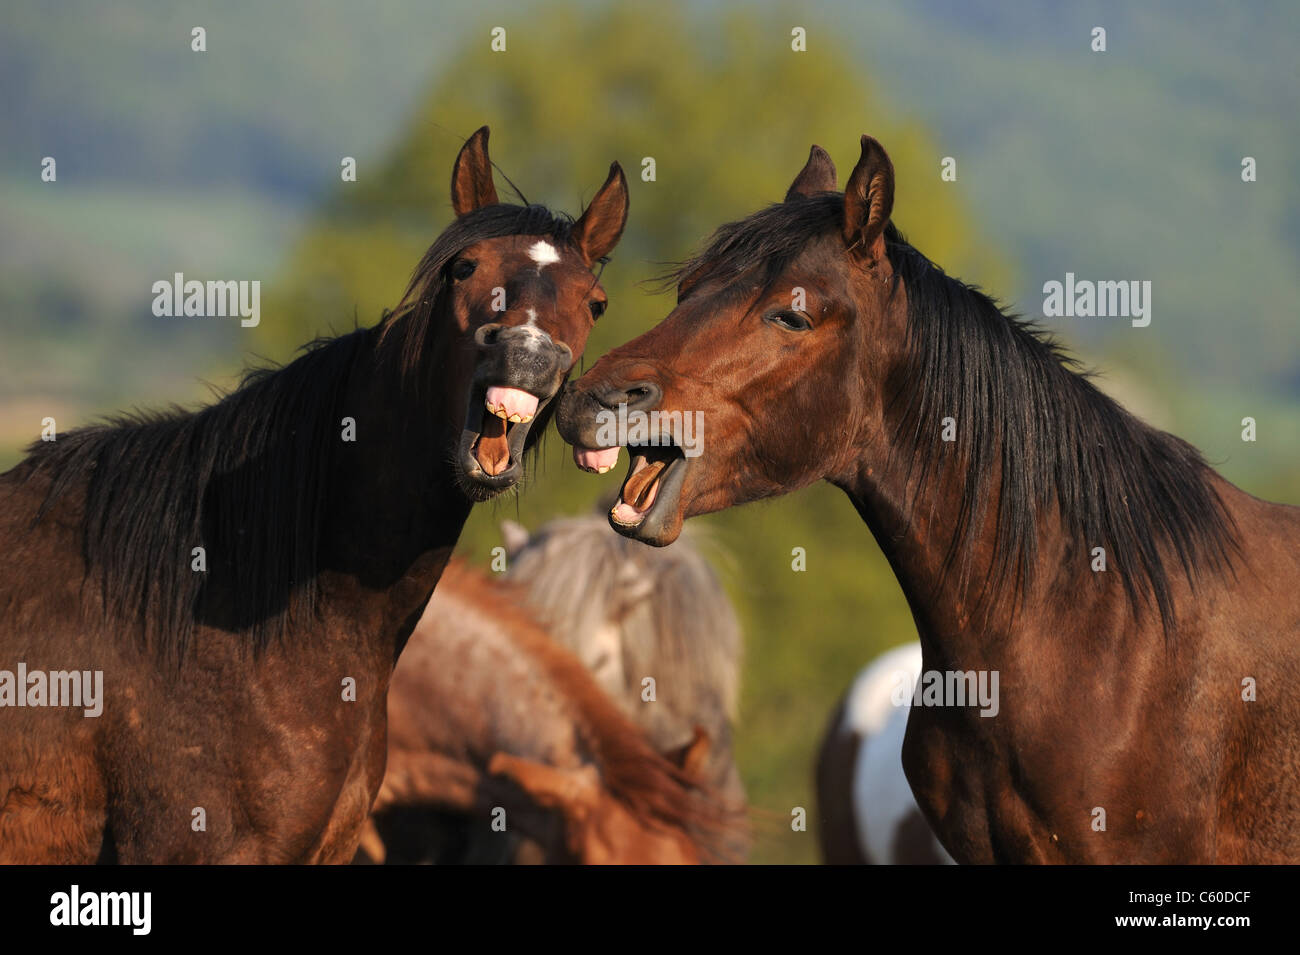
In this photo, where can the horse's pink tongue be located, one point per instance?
(599, 460)
(510, 403)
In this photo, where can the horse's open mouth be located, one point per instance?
(497, 425)
(653, 486)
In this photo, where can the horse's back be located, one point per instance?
(52, 794)
(1251, 650)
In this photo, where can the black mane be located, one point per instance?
(1023, 413)
(246, 478)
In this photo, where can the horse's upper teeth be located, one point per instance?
(515, 418)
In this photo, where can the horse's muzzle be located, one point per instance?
(518, 370)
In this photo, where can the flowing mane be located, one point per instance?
(1030, 428)
(673, 615)
(246, 478)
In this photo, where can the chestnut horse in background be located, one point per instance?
(245, 576)
(502, 748)
(1147, 710)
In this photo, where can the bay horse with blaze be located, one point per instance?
(245, 578)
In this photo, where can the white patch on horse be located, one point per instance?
(536, 337)
(882, 798)
(870, 704)
(602, 652)
(543, 253)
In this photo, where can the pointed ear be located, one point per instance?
(868, 203)
(692, 759)
(515, 536)
(574, 792)
(598, 229)
(817, 175)
(471, 177)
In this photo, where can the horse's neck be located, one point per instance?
(398, 512)
(962, 612)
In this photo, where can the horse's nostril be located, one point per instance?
(638, 395)
(488, 334)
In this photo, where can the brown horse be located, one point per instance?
(243, 578)
(494, 723)
(1141, 612)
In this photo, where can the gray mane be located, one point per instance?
(672, 618)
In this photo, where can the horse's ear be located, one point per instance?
(515, 536)
(692, 759)
(574, 792)
(868, 203)
(817, 175)
(598, 229)
(471, 178)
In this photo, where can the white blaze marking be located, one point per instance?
(543, 253)
(536, 337)
(532, 317)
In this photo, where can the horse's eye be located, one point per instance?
(597, 309)
(463, 269)
(790, 320)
